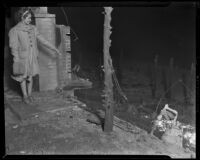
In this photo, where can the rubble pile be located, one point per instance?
(174, 131)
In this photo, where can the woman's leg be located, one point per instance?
(29, 85)
(23, 88)
(29, 88)
(24, 92)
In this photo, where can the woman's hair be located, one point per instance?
(23, 12)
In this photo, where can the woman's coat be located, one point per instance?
(23, 43)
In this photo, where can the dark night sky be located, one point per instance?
(141, 32)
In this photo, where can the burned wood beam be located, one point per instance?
(108, 90)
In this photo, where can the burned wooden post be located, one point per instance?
(167, 75)
(154, 77)
(193, 83)
(171, 66)
(164, 81)
(108, 90)
(184, 81)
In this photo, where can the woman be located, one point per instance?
(23, 43)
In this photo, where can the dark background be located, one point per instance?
(138, 31)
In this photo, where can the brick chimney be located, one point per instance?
(45, 24)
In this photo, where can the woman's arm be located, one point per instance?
(13, 44)
(42, 40)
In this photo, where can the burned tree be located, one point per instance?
(108, 90)
(171, 68)
(154, 77)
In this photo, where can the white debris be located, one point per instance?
(189, 135)
(166, 119)
(83, 105)
(175, 130)
(146, 116)
(76, 108)
(22, 152)
(15, 126)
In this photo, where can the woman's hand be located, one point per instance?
(58, 52)
(16, 59)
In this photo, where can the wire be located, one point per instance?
(188, 89)
(65, 15)
(165, 93)
(178, 81)
(117, 84)
(76, 37)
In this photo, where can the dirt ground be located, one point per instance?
(58, 124)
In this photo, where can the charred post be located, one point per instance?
(164, 81)
(193, 83)
(171, 66)
(154, 77)
(108, 90)
(185, 91)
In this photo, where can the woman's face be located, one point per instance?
(27, 20)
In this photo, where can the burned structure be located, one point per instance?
(53, 72)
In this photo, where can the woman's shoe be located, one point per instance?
(31, 99)
(25, 100)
